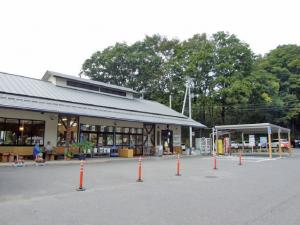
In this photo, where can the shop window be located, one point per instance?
(67, 129)
(84, 137)
(2, 130)
(25, 132)
(132, 140)
(110, 129)
(102, 140)
(11, 132)
(93, 138)
(119, 139)
(38, 130)
(103, 129)
(126, 130)
(133, 130)
(126, 140)
(18, 132)
(140, 131)
(110, 139)
(139, 140)
(109, 136)
(87, 127)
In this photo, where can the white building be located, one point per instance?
(64, 109)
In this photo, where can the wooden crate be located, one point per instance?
(177, 150)
(126, 153)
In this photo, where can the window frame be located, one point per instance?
(18, 134)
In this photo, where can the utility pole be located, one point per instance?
(188, 91)
(190, 116)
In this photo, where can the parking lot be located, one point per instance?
(261, 191)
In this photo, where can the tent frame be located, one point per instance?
(254, 128)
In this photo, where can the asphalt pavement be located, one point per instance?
(261, 191)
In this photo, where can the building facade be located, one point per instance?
(65, 109)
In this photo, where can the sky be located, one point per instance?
(59, 35)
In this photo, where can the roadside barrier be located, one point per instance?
(178, 166)
(140, 170)
(81, 177)
(215, 162)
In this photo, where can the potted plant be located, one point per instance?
(84, 148)
(69, 155)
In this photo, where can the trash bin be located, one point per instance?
(188, 151)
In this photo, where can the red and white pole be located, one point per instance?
(81, 177)
(178, 166)
(140, 170)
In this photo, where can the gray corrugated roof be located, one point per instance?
(98, 83)
(253, 128)
(40, 95)
(44, 105)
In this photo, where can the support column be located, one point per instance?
(289, 139)
(243, 146)
(270, 142)
(229, 143)
(213, 141)
(279, 142)
(191, 138)
(190, 116)
(216, 141)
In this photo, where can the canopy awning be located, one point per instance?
(258, 128)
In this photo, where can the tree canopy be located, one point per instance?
(230, 83)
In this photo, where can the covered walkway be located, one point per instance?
(260, 128)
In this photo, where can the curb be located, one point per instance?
(95, 161)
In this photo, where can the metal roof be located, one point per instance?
(253, 128)
(33, 94)
(98, 83)
(44, 105)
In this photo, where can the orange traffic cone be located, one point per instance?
(140, 170)
(81, 177)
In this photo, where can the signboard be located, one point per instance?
(263, 141)
(177, 140)
(251, 140)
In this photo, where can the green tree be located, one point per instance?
(284, 63)
(194, 59)
(233, 62)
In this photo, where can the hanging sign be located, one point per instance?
(251, 140)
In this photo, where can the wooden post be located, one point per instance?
(270, 142)
(279, 143)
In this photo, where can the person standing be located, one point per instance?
(48, 150)
(36, 151)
